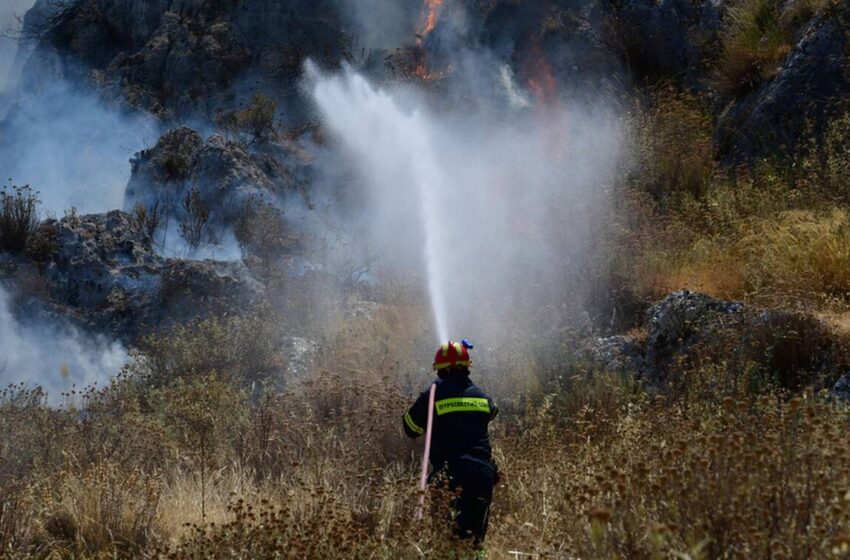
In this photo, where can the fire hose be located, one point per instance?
(423, 481)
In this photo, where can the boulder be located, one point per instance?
(228, 177)
(174, 57)
(682, 320)
(841, 389)
(105, 273)
(666, 38)
(617, 353)
(812, 85)
(688, 329)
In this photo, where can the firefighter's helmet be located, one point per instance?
(452, 354)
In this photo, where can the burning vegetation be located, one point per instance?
(431, 15)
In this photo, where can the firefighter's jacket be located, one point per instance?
(461, 414)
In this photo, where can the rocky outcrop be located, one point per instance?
(841, 389)
(682, 321)
(812, 84)
(688, 329)
(105, 273)
(181, 58)
(177, 56)
(182, 68)
(229, 179)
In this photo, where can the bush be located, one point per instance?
(244, 349)
(673, 147)
(758, 36)
(147, 219)
(196, 215)
(18, 218)
(263, 234)
(836, 156)
(43, 245)
(257, 117)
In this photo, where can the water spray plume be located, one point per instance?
(496, 216)
(343, 100)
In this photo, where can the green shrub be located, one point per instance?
(757, 37)
(18, 217)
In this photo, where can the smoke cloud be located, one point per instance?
(71, 147)
(10, 10)
(496, 212)
(382, 24)
(55, 356)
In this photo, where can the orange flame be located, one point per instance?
(540, 79)
(431, 14)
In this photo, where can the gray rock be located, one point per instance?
(681, 320)
(688, 329)
(99, 255)
(177, 56)
(183, 67)
(667, 37)
(841, 389)
(617, 353)
(227, 175)
(812, 84)
(106, 274)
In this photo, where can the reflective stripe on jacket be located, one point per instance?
(462, 413)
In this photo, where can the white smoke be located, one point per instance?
(382, 24)
(56, 357)
(10, 13)
(516, 97)
(72, 148)
(497, 212)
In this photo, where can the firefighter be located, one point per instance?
(460, 446)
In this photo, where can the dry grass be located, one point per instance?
(757, 36)
(594, 467)
(774, 234)
(672, 146)
(754, 43)
(793, 256)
